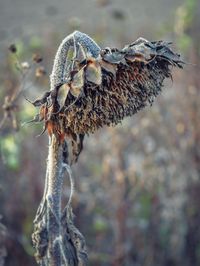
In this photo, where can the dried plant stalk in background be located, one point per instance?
(3, 252)
(90, 87)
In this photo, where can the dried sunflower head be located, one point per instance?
(92, 87)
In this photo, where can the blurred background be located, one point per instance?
(137, 199)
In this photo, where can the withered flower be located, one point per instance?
(92, 87)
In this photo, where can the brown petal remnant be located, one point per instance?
(105, 85)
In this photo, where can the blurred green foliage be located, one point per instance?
(100, 225)
(184, 20)
(10, 149)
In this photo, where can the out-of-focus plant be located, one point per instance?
(10, 106)
(19, 78)
(185, 23)
(3, 252)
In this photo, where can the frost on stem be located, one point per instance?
(90, 88)
(56, 239)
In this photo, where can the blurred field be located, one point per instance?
(137, 197)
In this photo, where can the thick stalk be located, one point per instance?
(53, 197)
(56, 239)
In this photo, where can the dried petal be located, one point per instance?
(81, 55)
(112, 68)
(113, 56)
(77, 83)
(62, 94)
(93, 72)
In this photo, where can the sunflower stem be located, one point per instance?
(56, 239)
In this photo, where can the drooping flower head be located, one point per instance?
(92, 87)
